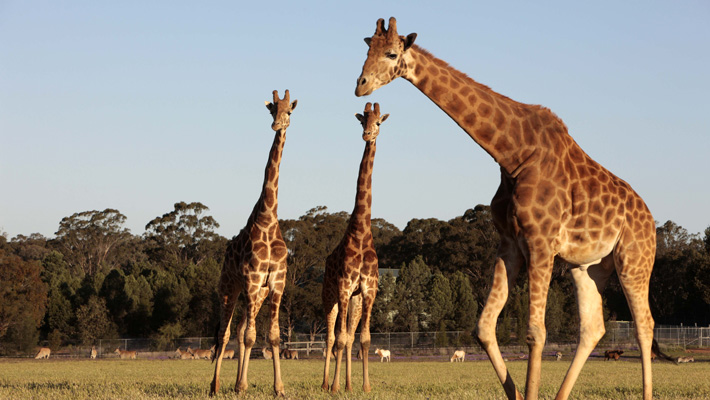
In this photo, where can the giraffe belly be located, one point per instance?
(581, 249)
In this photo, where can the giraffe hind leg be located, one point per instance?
(589, 283)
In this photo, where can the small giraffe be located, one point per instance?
(351, 271)
(255, 263)
(553, 201)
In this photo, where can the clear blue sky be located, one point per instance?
(137, 105)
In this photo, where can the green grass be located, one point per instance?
(190, 379)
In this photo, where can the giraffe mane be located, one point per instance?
(464, 77)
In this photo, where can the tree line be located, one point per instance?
(96, 280)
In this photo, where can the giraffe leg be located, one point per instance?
(353, 321)
(226, 312)
(253, 306)
(241, 328)
(589, 282)
(507, 266)
(331, 316)
(634, 271)
(341, 339)
(368, 300)
(275, 337)
(539, 274)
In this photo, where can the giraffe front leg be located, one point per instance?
(368, 300)
(275, 338)
(256, 296)
(353, 321)
(226, 312)
(507, 266)
(341, 339)
(331, 312)
(539, 274)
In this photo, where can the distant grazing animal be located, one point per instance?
(93, 352)
(199, 353)
(615, 354)
(383, 354)
(459, 355)
(359, 354)
(267, 353)
(558, 356)
(43, 353)
(183, 355)
(653, 355)
(289, 354)
(686, 359)
(126, 354)
(227, 353)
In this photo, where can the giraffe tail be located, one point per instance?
(656, 349)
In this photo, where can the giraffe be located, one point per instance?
(255, 263)
(351, 270)
(553, 201)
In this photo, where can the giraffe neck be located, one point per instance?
(265, 210)
(507, 130)
(360, 218)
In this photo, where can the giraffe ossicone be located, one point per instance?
(553, 201)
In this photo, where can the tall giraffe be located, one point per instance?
(553, 200)
(255, 263)
(351, 270)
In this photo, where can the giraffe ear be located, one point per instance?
(384, 118)
(359, 117)
(368, 40)
(409, 41)
(268, 105)
(293, 105)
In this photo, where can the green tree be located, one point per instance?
(440, 301)
(93, 321)
(465, 307)
(383, 311)
(87, 239)
(182, 236)
(410, 295)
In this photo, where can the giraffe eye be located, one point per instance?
(391, 56)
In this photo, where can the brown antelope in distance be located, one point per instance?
(558, 356)
(43, 353)
(685, 359)
(615, 354)
(459, 355)
(93, 352)
(129, 354)
(200, 353)
(289, 354)
(268, 355)
(227, 353)
(183, 355)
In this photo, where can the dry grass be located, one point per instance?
(189, 379)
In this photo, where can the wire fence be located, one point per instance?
(620, 334)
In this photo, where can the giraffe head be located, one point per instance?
(371, 120)
(281, 110)
(385, 58)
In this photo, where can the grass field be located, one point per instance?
(190, 379)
